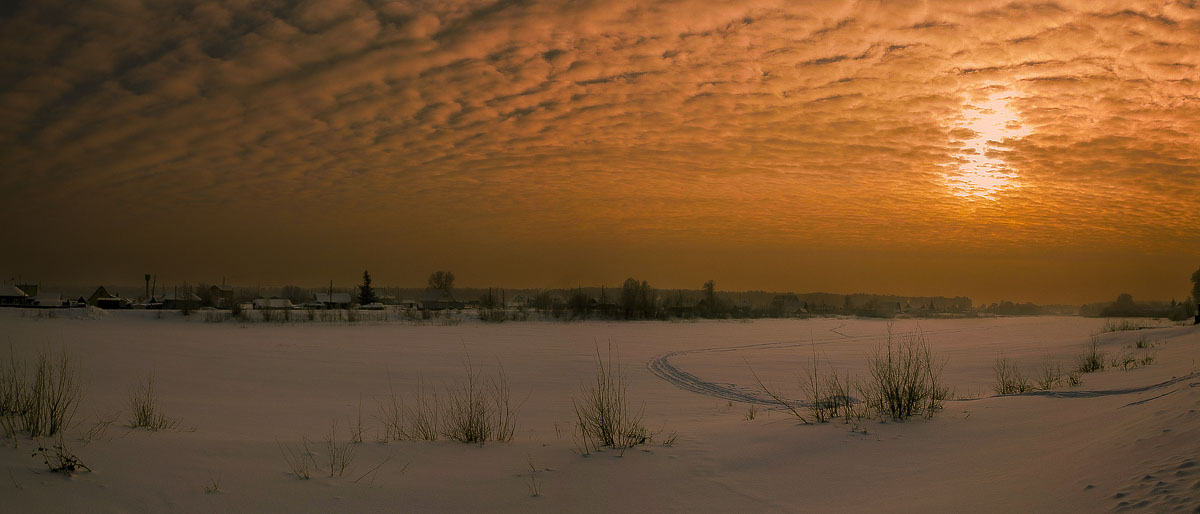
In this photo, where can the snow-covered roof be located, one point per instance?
(11, 290)
(273, 303)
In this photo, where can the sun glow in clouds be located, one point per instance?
(980, 175)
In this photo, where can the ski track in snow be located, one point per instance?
(662, 367)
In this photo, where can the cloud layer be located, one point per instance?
(446, 127)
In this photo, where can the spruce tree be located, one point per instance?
(366, 294)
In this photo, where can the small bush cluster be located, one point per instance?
(1008, 377)
(475, 409)
(604, 417)
(1122, 325)
(478, 411)
(1009, 380)
(830, 394)
(144, 411)
(302, 461)
(44, 402)
(1092, 358)
(1127, 361)
(905, 378)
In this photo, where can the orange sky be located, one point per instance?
(1021, 150)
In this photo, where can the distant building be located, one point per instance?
(273, 304)
(334, 301)
(11, 295)
(103, 299)
(180, 300)
(30, 289)
(438, 299)
(50, 301)
(787, 305)
(222, 296)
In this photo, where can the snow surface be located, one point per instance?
(1123, 440)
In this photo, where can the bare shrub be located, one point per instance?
(904, 378)
(1050, 376)
(356, 425)
(12, 385)
(812, 385)
(1008, 378)
(405, 422)
(300, 460)
(840, 398)
(143, 408)
(479, 410)
(602, 411)
(49, 401)
(338, 456)
(1092, 358)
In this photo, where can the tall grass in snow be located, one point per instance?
(604, 417)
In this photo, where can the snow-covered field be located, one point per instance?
(1121, 440)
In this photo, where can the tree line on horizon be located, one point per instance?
(638, 300)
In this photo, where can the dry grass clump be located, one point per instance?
(1127, 360)
(905, 379)
(144, 410)
(338, 456)
(1122, 325)
(300, 459)
(1008, 377)
(479, 410)
(1051, 375)
(829, 394)
(604, 417)
(1092, 358)
(476, 409)
(418, 421)
(42, 404)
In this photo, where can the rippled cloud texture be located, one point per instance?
(769, 144)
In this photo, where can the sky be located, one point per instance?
(1031, 151)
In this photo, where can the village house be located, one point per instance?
(438, 299)
(11, 296)
(334, 301)
(180, 300)
(103, 299)
(50, 301)
(273, 304)
(222, 296)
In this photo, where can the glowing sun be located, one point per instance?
(979, 172)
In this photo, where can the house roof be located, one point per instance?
(11, 290)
